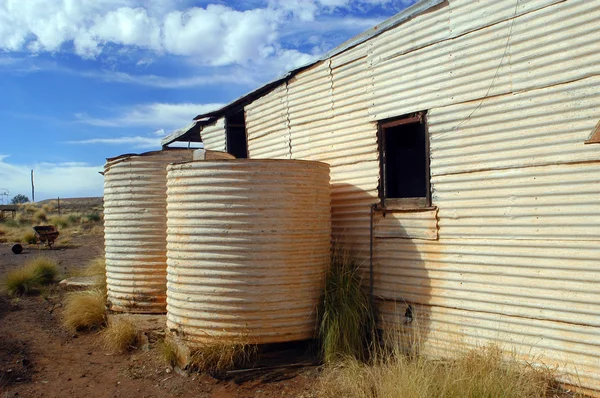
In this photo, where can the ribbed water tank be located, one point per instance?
(135, 230)
(248, 247)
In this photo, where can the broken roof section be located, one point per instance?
(237, 104)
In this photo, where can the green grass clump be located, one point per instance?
(59, 221)
(84, 310)
(93, 217)
(346, 322)
(31, 277)
(73, 218)
(169, 352)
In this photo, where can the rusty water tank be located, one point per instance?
(248, 246)
(135, 231)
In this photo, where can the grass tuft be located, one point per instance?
(169, 352)
(345, 316)
(84, 310)
(38, 272)
(218, 357)
(482, 372)
(40, 216)
(29, 238)
(121, 335)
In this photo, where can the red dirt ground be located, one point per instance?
(38, 358)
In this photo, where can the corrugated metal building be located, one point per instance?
(497, 237)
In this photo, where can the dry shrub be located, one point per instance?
(22, 218)
(221, 356)
(40, 216)
(84, 310)
(121, 335)
(59, 221)
(29, 208)
(96, 269)
(48, 208)
(346, 323)
(36, 273)
(482, 372)
(29, 237)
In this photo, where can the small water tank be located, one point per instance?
(135, 231)
(248, 246)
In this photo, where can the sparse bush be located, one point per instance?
(29, 208)
(59, 221)
(346, 323)
(73, 218)
(93, 217)
(29, 238)
(84, 310)
(121, 335)
(10, 223)
(218, 357)
(22, 218)
(482, 372)
(48, 208)
(19, 199)
(40, 216)
(31, 277)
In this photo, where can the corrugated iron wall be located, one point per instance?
(213, 136)
(510, 252)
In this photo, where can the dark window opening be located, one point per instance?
(405, 159)
(237, 144)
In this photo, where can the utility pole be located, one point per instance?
(32, 188)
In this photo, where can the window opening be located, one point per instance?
(237, 143)
(404, 145)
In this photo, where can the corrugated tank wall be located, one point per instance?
(135, 229)
(213, 136)
(248, 247)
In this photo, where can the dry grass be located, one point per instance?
(169, 352)
(40, 216)
(346, 323)
(29, 237)
(84, 310)
(121, 335)
(218, 357)
(36, 273)
(482, 372)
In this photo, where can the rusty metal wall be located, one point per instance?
(135, 199)
(213, 136)
(248, 247)
(509, 252)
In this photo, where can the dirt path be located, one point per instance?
(38, 358)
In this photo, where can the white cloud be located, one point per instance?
(212, 35)
(154, 115)
(137, 142)
(50, 178)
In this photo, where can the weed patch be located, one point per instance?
(121, 335)
(31, 277)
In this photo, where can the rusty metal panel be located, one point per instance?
(545, 202)
(417, 224)
(545, 126)
(572, 348)
(556, 45)
(248, 247)
(214, 137)
(472, 66)
(469, 15)
(267, 125)
(135, 200)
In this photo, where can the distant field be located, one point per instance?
(75, 204)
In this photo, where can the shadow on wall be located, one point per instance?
(401, 285)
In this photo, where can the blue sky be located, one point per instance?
(85, 80)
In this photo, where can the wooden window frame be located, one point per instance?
(403, 203)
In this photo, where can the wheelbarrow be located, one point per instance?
(46, 234)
